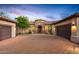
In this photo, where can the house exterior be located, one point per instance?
(42, 26)
(7, 28)
(39, 26)
(68, 28)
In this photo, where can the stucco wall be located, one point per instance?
(53, 30)
(65, 22)
(13, 27)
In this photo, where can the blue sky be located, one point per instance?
(50, 12)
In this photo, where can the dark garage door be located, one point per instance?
(64, 31)
(5, 32)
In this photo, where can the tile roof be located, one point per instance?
(7, 19)
(46, 22)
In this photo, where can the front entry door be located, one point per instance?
(39, 29)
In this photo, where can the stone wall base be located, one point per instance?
(75, 39)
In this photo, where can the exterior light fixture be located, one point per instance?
(74, 28)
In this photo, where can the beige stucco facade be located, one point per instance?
(65, 22)
(45, 27)
(13, 27)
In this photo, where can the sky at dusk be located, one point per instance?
(50, 12)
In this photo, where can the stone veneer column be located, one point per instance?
(75, 35)
(53, 30)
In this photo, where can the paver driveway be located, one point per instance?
(36, 43)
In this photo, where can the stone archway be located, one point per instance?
(39, 29)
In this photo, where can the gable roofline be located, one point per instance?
(7, 19)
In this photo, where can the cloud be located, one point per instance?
(20, 11)
(50, 17)
(31, 8)
(16, 11)
(64, 15)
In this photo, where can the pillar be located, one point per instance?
(75, 30)
(53, 30)
(13, 31)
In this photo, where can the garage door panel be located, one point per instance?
(64, 31)
(5, 32)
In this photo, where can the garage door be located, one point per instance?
(64, 31)
(5, 32)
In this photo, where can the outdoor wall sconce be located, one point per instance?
(74, 28)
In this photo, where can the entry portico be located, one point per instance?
(41, 26)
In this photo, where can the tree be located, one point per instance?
(22, 22)
(3, 14)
